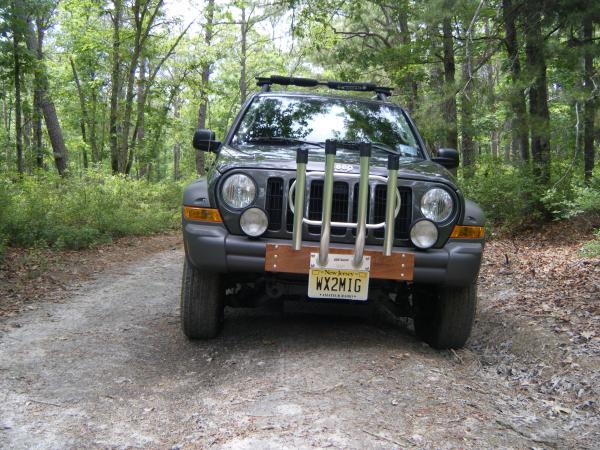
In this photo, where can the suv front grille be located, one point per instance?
(274, 203)
(404, 218)
(344, 209)
(339, 206)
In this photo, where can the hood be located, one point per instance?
(347, 161)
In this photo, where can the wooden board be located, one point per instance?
(283, 258)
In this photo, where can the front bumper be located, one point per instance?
(210, 247)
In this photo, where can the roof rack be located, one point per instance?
(265, 83)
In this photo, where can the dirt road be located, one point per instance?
(110, 367)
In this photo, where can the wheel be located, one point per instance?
(202, 305)
(444, 318)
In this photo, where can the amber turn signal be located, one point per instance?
(202, 214)
(467, 232)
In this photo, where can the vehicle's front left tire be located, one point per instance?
(202, 302)
(445, 316)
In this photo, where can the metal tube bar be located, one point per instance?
(301, 160)
(390, 204)
(363, 198)
(330, 151)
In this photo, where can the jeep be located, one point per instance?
(329, 198)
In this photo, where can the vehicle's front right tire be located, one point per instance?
(202, 302)
(444, 316)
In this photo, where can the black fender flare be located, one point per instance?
(474, 215)
(196, 194)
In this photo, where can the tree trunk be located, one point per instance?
(243, 56)
(115, 85)
(37, 108)
(84, 119)
(55, 135)
(47, 105)
(466, 112)
(143, 26)
(519, 128)
(27, 124)
(17, 77)
(5, 122)
(409, 79)
(538, 95)
(176, 159)
(177, 146)
(466, 123)
(6, 110)
(96, 157)
(103, 128)
(449, 82)
(436, 84)
(206, 69)
(37, 127)
(139, 141)
(495, 143)
(130, 94)
(590, 102)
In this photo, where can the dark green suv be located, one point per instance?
(325, 198)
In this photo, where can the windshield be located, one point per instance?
(291, 120)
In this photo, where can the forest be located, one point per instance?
(100, 99)
(139, 309)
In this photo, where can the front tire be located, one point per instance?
(444, 318)
(202, 305)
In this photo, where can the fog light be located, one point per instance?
(424, 234)
(254, 222)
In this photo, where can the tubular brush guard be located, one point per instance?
(297, 193)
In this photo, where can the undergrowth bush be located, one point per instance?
(46, 210)
(503, 192)
(591, 249)
(580, 199)
(510, 196)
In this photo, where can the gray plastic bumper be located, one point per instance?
(212, 248)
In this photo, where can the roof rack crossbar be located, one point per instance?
(266, 82)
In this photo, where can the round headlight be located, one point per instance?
(238, 191)
(437, 205)
(254, 222)
(424, 234)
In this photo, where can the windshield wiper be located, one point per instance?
(378, 146)
(387, 148)
(282, 140)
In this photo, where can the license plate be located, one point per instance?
(339, 279)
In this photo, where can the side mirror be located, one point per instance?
(204, 140)
(447, 157)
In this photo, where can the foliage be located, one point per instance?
(438, 55)
(44, 210)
